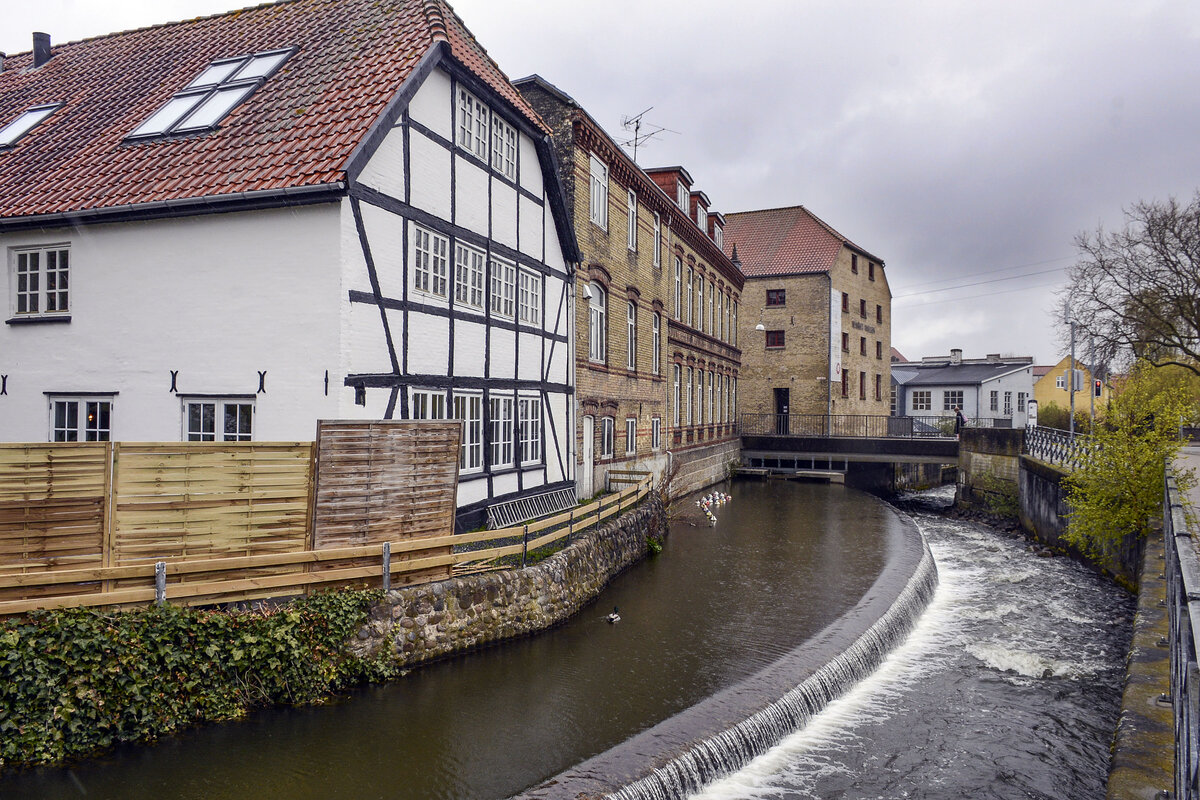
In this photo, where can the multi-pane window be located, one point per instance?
(472, 124)
(678, 286)
(212, 94)
(1060, 382)
(690, 281)
(655, 433)
(677, 394)
(504, 288)
(632, 230)
(428, 404)
(530, 428)
(699, 300)
(41, 280)
(431, 265)
(712, 387)
(630, 436)
(719, 236)
(469, 409)
(26, 122)
(952, 399)
(720, 331)
(468, 276)
(922, 400)
(774, 340)
(681, 195)
(994, 401)
(712, 308)
(530, 298)
(631, 335)
(597, 324)
(657, 241)
(606, 437)
(690, 417)
(80, 419)
(501, 424)
(504, 148)
(1008, 403)
(699, 405)
(892, 408)
(656, 342)
(598, 197)
(230, 420)
(733, 323)
(720, 406)
(1020, 402)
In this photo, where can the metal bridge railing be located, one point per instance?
(1182, 571)
(1056, 447)
(858, 425)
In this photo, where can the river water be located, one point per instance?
(1008, 686)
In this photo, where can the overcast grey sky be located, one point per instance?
(961, 142)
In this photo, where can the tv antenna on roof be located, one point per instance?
(634, 125)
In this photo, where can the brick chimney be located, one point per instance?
(41, 48)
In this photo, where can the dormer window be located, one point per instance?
(682, 195)
(719, 236)
(209, 98)
(23, 124)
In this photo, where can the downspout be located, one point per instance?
(829, 355)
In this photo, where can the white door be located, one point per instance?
(589, 456)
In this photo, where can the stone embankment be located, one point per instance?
(418, 624)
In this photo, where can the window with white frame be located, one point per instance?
(677, 394)
(994, 401)
(632, 230)
(699, 300)
(500, 414)
(468, 276)
(427, 404)
(690, 281)
(719, 236)
(530, 409)
(218, 419)
(81, 419)
(630, 436)
(504, 288)
(1020, 402)
(655, 433)
(469, 409)
(472, 124)
(530, 298)
(598, 197)
(733, 326)
(657, 241)
(922, 400)
(1007, 403)
(719, 331)
(678, 286)
(631, 335)
(431, 265)
(606, 437)
(690, 417)
(682, 195)
(720, 406)
(656, 342)
(952, 399)
(733, 398)
(212, 94)
(504, 148)
(40, 280)
(1060, 382)
(25, 122)
(699, 406)
(597, 324)
(712, 381)
(712, 308)
(701, 217)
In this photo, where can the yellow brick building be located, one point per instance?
(1051, 386)
(816, 320)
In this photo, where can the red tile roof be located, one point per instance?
(298, 130)
(784, 241)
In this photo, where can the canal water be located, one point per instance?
(1008, 687)
(719, 604)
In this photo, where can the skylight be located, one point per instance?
(213, 93)
(23, 124)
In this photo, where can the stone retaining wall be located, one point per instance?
(703, 466)
(418, 624)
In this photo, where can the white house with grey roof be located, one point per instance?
(992, 391)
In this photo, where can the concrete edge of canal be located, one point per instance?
(1144, 743)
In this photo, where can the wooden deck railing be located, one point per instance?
(208, 580)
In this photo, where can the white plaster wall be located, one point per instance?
(504, 484)
(472, 489)
(217, 297)
(430, 183)
(502, 357)
(470, 345)
(504, 213)
(428, 344)
(385, 232)
(431, 105)
(532, 227)
(385, 170)
(471, 198)
(534, 478)
(530, 365)
(531, 169)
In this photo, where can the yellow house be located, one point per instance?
(1050, 385)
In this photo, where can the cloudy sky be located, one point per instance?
(964, 143)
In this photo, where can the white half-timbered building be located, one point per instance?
(231, 227)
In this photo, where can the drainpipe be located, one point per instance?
(829, 354)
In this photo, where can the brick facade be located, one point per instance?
(630, 282)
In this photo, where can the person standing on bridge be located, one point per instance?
(960, 421)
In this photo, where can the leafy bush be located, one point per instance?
(77, 681)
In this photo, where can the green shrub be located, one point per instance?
(74, 682)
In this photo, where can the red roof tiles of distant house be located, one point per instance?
(298, 130)
(784, 241)
(898, 357)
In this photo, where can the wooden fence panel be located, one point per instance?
(198, 500)
(52, 510)
(389, 481)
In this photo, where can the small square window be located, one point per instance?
(41, 281)
(81, 419)
(218, 419)
(776, 297)
(774, 340)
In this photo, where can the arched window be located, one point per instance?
(597, 323)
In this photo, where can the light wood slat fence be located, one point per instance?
(366, 504)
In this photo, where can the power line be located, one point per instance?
(991, 271)
(989, 294)
(977, 283)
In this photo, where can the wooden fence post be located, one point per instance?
(160, 582)
(525, 544)
(387, 567)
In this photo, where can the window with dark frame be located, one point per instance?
(878, 350)
(862, 345)
(845, 303)
(845, 342)
(774, 340)
(871, 270)
(854, 263)
(879, 313)
(862, 308)
(776, 297)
